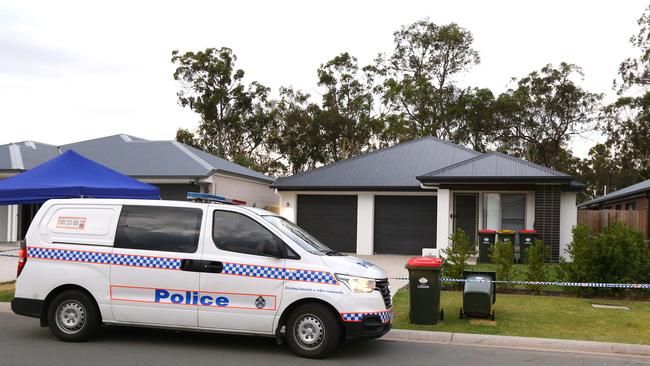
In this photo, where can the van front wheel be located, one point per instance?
(73, 316)
(312, 331)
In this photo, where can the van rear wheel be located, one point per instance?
(312, 331)
(73, 316)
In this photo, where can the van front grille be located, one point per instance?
(382, 287)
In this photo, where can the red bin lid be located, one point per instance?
(487, 231)
(424, 262)
(527, 231)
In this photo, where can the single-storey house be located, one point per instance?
(174, 167)
(413, 195)
(634, 197)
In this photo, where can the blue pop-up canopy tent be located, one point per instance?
(71, 176)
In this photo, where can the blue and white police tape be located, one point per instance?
(5, 253)
(550, 283)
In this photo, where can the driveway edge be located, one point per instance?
(527, 343)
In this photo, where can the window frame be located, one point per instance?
(482, 199)
(158, 208)
(286, 251)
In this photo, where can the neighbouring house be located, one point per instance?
(413, 195)
(174, 167)
(629, 205)
(634, 197)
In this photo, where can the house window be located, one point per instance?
(630, 206)
(618, 207)
(504, 211)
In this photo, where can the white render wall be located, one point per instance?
(568, 219)
(253, 192)
(365, 223)
(4, 223)
(443, 226)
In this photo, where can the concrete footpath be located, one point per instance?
(524, 343)
(506, 342)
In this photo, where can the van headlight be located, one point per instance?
(357, 284)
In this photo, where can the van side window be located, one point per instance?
(239, 233)
(169, 229)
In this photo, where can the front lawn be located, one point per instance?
(541, 316)
(7, 291)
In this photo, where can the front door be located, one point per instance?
(151, 281)
(244, 290)
(466, 214)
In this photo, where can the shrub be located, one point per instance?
(616, 255)
(503, 258)
(457, 253)
(538, 270)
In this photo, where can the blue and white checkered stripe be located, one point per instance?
(309, 276)
(70, 255)
(147, 262)
(384, 316)
(104, 258)
(250, 270)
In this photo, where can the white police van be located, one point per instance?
(195, 266)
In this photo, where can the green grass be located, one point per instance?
(541, 316)
(7, 291)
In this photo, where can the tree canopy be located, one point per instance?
(412, 91)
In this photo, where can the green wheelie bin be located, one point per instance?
(526, 239)
(424, 290)
(486, 240)
(479, 294)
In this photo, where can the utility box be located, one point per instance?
(424, 290)
(526, 239)
(478, 297)
(486, 240)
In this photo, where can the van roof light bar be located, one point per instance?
(211, 198)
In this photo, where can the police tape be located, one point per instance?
(3, 253)
(549, 283)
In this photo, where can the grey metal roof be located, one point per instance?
(129, 155)
(141, 158)
(25, 155)
(627, 191)
(5, 158)
(393, 167)
(494, 166)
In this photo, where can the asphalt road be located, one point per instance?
(23, 342)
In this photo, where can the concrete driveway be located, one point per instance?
(394, 265)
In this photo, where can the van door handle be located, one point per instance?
(213, 267)
(193, 265)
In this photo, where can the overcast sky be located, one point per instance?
(72, 71)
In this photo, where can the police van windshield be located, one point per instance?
(300, 236)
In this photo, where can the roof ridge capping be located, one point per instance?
(373, 152)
